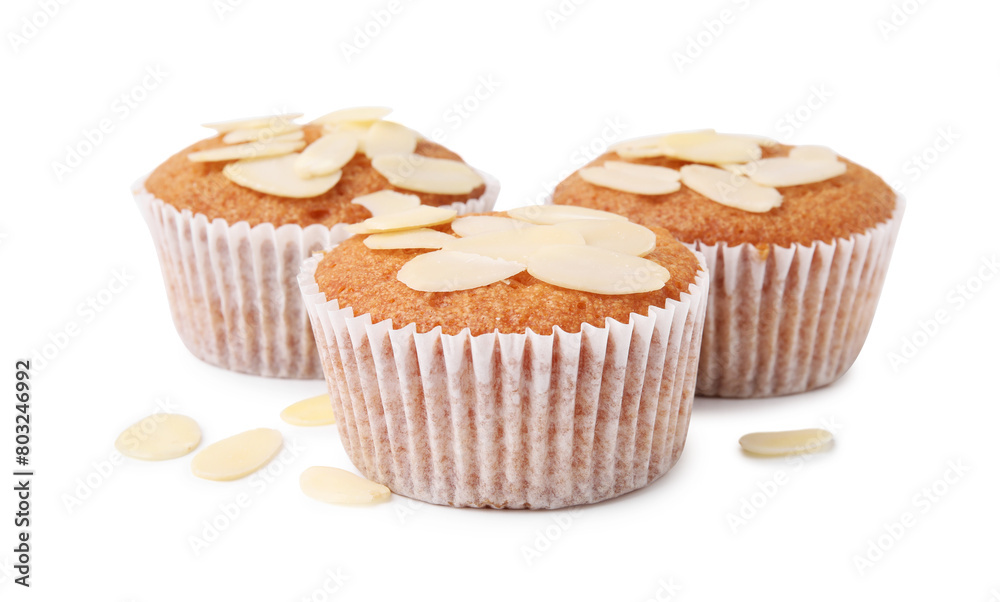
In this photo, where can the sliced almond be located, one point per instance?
(276, 175)
(354, 114)
(314, 411)
(596, 270)
(387, 138)
(484, 224)
(418, 217)
(730, 189)
(553, 214)
(237, 456)
(425, 174)
(517, 244)
(786, 171)
(613, 235)
(327, 154)
(712, 148)
(783, 443)
(290, 131)
(336, 486)
(639, 148)
(252, 122)
(159, 437)
(385, 202)
(420, 238)
(808, 152)
(634, 181)
(446, 271)
(250, 150)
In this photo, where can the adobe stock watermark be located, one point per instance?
(798, 116)
(560, 13)
(611, 131)
(920, 162)
(955, 300)
(712, 28)
(224, 8)
(406, 508)
(899, 15)
(462, 109)
(366, 33)
(994, 595)
(334, 580)
(544, 538)
(33, 24)
(86, 311)
(229, 513)
(119, 110)
(921, 503)
(764, 491)
(87, 485)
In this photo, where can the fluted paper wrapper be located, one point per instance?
(511, 420)
(791, 319)
(232, 289)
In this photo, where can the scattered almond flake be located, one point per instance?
(265, 134)
(740, 169)
(783, 443)
(252, 122)
(276, 175)
(613, 235)
(418, 217)
(553, 214)
(786, 171)
(517, 244)
(385, 202)
(596, 270)
(730, 189)
(446, 271)
(425, 174)
(420, 238)
(646, 171)
(237, 456)
(629, 181)
(353, 114)
(159, 437)
(387, 138)
(336, 486)
(327, 154)
(314, 411)
(712, 148)
(250, 150)
(639, 148)
(484, 224)
(808, 152)
(689, 138)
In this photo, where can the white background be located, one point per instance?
(880, 96)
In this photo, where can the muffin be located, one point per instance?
(542, 358)
(234, 215)
(797, 241)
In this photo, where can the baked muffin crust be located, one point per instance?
(365, 279)
(202, 188)
(836, 208)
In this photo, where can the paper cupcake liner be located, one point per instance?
(790, 319)
(233, 291)
(511, 420)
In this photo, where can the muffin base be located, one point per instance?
(511, 420)
(790, 319)
(232, 289)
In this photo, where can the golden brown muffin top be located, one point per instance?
(201, 188)
(365, 279)
(839, 207)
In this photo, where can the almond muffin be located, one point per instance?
(797, 241)
(234, 215)
(539, 358)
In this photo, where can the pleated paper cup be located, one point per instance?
(232, 289)
(790, 319)
(511, 420)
